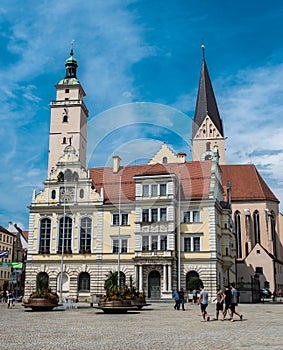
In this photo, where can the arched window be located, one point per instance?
(68, 175)
(65, 233)
(122, 279)
(238, 233)
(64, 141)
(81, 193)
(42, 281)
(45, 236)
(53, 194)
(273, 233)
(85, 234)
(65, 283)
(65, 118)
(256, 227)
(164, 160)
(189, 276)
(84, 282)
(208, 148)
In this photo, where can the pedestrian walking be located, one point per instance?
(195, 296)
(181, 294)
(10, 299)
(234, 303)
(227, 302)
(175, 296)
(219, 302)
(203, 301)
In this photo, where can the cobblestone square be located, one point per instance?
(157, 326)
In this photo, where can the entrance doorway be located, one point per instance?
(154, 285)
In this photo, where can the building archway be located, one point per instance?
(42, 281)
(154, 285)
(189, 276)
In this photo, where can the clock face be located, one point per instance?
(67, 194)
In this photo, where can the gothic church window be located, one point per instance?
(273, 233)
(237, 220)
(256, 226)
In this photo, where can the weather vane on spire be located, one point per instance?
(203, 47)
(72, 48)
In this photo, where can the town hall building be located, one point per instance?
(160, 223)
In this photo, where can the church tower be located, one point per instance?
(68, 120)
(207, 128)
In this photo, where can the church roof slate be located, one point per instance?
(206, 103)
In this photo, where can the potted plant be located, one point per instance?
(43, 299)
(120, 299)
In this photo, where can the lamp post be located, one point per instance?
(119, 229)
(179, 233)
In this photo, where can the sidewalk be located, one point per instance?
(157, 326)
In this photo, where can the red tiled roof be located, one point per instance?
(246, 183)
(195, 179)
(25, 235)
(4, 230)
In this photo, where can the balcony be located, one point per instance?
(154, 253)
(160, 226)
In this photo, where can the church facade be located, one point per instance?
(159, 224)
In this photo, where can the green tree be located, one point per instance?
(194, 283)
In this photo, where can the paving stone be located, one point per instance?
(157, 326)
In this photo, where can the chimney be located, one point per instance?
(181, 157)
(116, 163)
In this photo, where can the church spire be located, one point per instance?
(206, 102)
(207, 128)
(71, 69)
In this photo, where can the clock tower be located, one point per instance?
(207, 128)
(68, 121)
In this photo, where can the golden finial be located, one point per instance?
(203, 47)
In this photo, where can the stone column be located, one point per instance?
(140, 278)
(165, 278)
(169, 277)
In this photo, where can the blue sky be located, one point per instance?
(131, 52)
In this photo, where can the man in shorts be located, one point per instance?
(227, 301)
(203, 301)
(220, 301)
(234, 303)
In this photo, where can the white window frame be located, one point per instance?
(122, 215)
(122, 239)
(152, 240)
(154, 190)
(191, 214)
(159, 218)
(192, 239)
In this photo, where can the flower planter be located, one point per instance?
(139, 302)
(115, 306)
(41, 304)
